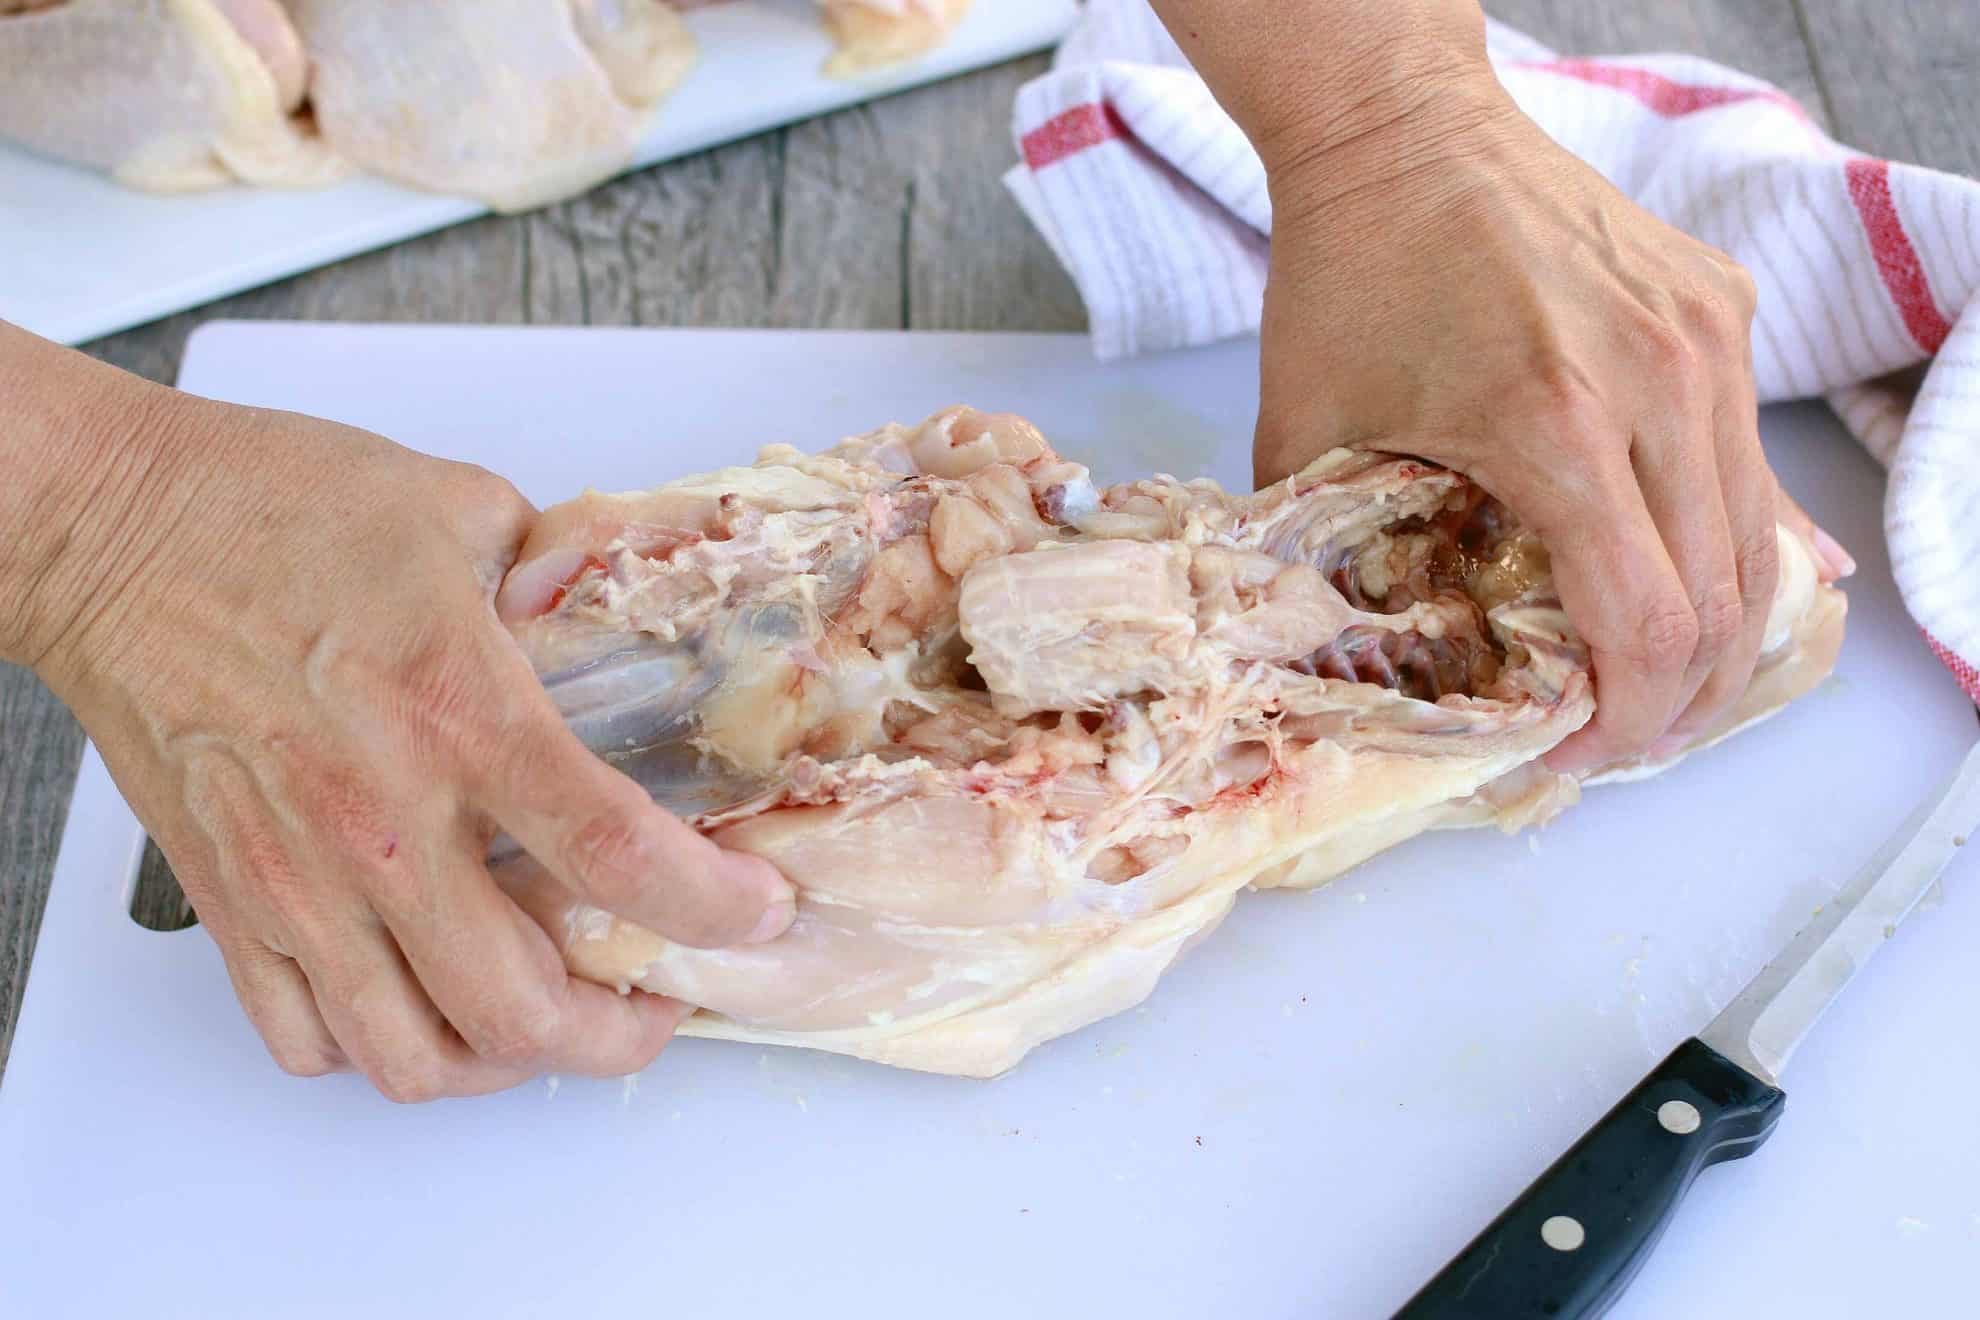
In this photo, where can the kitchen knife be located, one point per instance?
(1571, 1243)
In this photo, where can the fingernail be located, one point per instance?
(1837, 559)
(755, 875)
(776, 919)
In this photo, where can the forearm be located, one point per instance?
(80, 445)
(1304, 78)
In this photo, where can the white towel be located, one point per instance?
(1156, 205)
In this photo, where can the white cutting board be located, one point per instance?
(85, 257)
(1313, 1111)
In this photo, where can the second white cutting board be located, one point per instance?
(1311, 1113)
(85, 256)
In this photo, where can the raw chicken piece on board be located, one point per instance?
(168, 95)
(1018, 741)
(873, 33)
(513, 102)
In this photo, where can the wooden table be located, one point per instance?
(892, 216)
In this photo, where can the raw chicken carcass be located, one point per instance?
(1018, 741)
(162, 94)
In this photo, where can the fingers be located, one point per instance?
(388, 1027)
(1706, 487)
(604, 839)
(1623, 592)
(501, 984)
(1747, 489)
(441, 986)
(278, 1000)
(1679, 472)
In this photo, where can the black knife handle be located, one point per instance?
(1573, 1240)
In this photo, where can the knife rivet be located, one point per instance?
(1679, 1116)
(1563, 1233)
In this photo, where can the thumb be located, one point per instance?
(603, 838)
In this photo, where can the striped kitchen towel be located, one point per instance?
(1156, 205)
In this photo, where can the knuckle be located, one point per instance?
(1758, 559)
(446, 694)
(478, 485)
(303, 1058)
(385, 1045)
(613, 855)
(1741, 293)
(1668, 633)
(1723, 314)
(521, 1031)
(1667, 350)
(1719, 611)
(485, 508)
(409, 1079)
(1562, 405)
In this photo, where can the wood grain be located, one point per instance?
(1763, 37)
(40, 747)
(1900, 79)
(892, 215)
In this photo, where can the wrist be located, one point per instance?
(1416, 68)
(1308, 77)
(1420, 155)
(84, 452)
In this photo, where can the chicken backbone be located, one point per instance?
(1019, 741)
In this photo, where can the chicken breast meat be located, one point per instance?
(1019, 741)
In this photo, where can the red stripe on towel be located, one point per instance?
(1897, 261)
(1967, 676)
(1070, 132)
(1664, 95)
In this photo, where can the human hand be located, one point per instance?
(280, 634)
(1451, 284)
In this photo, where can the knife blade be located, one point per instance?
(1573, 1240)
